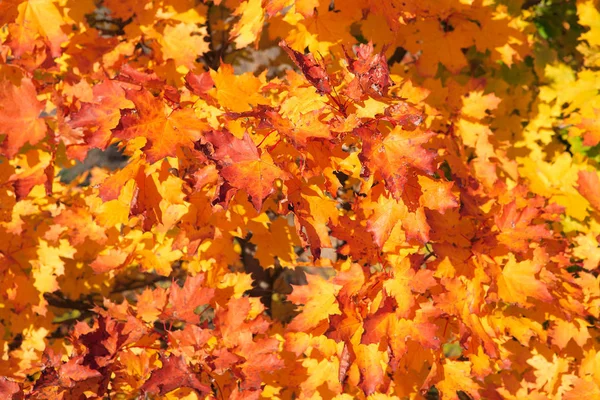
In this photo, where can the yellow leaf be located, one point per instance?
(547, 372)
(248, 28)
(589, 16)
(38, 17)
(457, 376)
(518, 281)
(475, 104)
(237, 92)
(50, 265)
(183, 43)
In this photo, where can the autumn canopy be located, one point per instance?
(310, 199)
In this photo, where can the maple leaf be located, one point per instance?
(236, 324)
(588, 249)
(184, 301)
(39, 17)
(370, 360)
(243, 167)
(589, 187)
(75, 370)
(518, 281)
(313, 71)
(388, 212)
(114, 184)
(300, 117)
(517, 229)
(174, 373)
(200, 84)
(306, 7)
(111, 259)
(275, 6)
(10, 390)
(563, 331)
(547, 372)
(372, 72)
(443, 46)
(314, 212)
(176, 42)
(393, 155)
(151, 304)
(146, 79)
(165, 131)
(20, 116)
(50, 264)
(237, 93)
(8, 10)
(319, 300)
(457, 377)
(248, 28)
(81, 226)
(582, 389)
(476, 104)
(400, 287)
(436, 195)
(99, 117)
(403, 114)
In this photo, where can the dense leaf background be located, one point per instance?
(299, 199)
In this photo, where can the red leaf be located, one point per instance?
(372, 72)
(174, 374)
(102, 115)
(199, 83)
(517, 227)
(186, 299)
(145, 79)
(10, 390)
(395, 154)
(243, 167)
(312, 70)
(19, 116)
(74, 370)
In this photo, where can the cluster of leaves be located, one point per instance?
(315, 199)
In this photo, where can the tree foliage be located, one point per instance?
(312, 199)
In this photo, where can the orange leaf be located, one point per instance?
(563, 331)
(589, 187)
(312, 70)
(371, 71)
(457, 377)
(248, 28)
(37, 17)
(165, 131)
(243, 167)
(517, 227)
(393, 155)
(183, 301)
(174, 373)
(371, 362)
(74, 370)
(518, 282)
(237, 93)
(319, 299)
(388, 212)
(151, 304)
(178, 41)
(437, 195)
(102, 115)
(20, 116)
